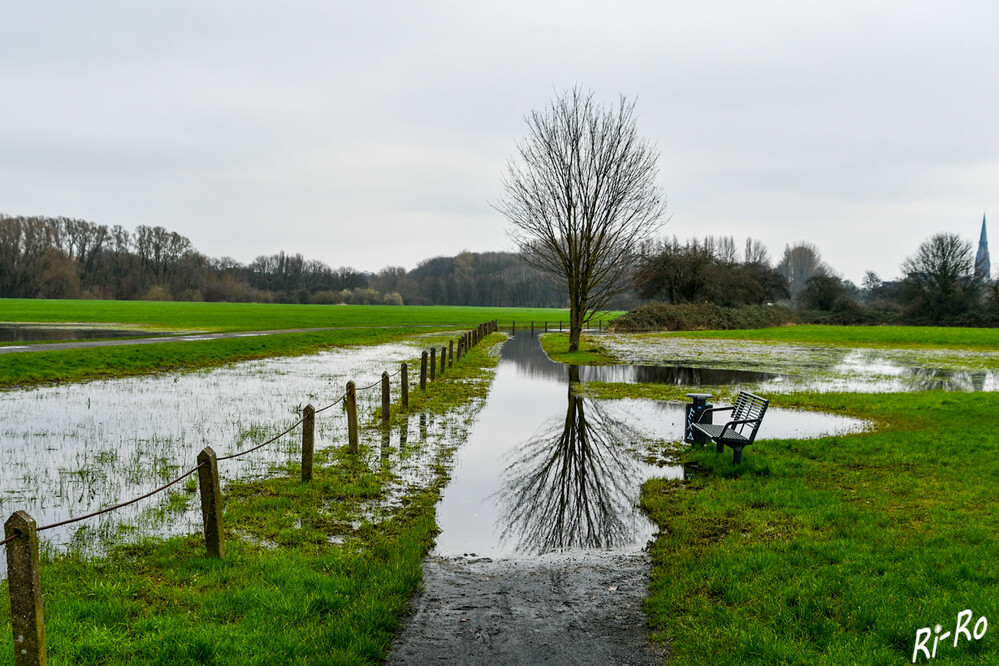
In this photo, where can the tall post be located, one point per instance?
(352, 438)
(443, 359)
(211, 502)
(404, 381)
(423, 371)
(513, 327)
(24, 581)
(433, 363)
(532, 327)
(308, 441)
(546, 327)
(450, 353)
(386, 398)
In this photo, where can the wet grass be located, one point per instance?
(306, 578)
(836, 550)
(591, 351)
(46, 367)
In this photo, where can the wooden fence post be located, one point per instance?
(211, 502)
(450, 353)
(513, 327)
(532, 327)
(443, 359)
(404, 381)
(433, 363)
(423, 371)
(386, 397)
(308, 441)
(24, 581)
(352, 438)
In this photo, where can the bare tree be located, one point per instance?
(582, 196)
(940, 281)
(799, 265)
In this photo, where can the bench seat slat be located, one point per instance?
(715, 432)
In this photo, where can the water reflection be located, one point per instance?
(572, 485)
(677, 375)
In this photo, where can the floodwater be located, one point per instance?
(545, 471)
(818, 368)
(73, 449)
(50, 333)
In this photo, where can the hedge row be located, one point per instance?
(697, 317)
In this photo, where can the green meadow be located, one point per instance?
(219, 317)
(353, 324)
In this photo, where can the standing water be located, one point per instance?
(545, 471)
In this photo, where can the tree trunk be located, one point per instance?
(576, 314)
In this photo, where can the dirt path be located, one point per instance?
(584, 610)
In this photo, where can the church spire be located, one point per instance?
(983, 267)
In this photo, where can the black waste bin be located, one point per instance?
(699, 402)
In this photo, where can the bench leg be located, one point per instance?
(736, 455)
(720, 448)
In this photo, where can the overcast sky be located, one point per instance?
(376, 133)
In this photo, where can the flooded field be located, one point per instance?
(817, 368)
(545, 471)
(74, 449)
(53, 333)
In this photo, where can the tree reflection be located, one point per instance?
(573, 485)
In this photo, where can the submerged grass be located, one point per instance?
(291, 589)
(44, 367)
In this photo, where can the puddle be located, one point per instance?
(70, 450)
(49, 333)
(545, 471)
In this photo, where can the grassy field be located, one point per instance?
(837, 550)
(358, 324)
(178, 316)
(301, 583)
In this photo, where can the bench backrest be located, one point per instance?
(751, 408)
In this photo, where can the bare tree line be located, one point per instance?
(42, 257)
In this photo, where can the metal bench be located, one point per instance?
(747, 414)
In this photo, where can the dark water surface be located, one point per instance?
(545, 471)
(31, 333)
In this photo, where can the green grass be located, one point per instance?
(836, 550)
(258, 317)
(286, 592)
(863, 336)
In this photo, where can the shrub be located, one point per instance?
(698, 317)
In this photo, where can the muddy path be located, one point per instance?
(564, 610)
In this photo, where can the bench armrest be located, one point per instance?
(713, 409)
(728, 426)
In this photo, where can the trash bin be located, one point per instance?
(698, 403)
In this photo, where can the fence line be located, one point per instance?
(23, 569)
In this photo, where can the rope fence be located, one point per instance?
(21, 533)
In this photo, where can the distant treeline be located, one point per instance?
(42, 257)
